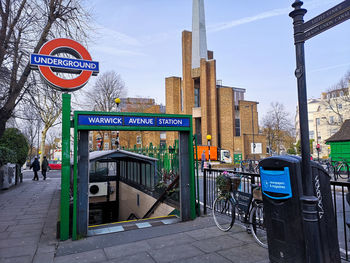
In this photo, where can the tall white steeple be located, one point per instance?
(199, 36)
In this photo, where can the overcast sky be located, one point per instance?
(252, 42)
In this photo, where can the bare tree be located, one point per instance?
(335, 97)
(107, 88)
(30, 129)
(51, 136)
(277, 126)
(48, 105)
(25, 27)
(101, 96)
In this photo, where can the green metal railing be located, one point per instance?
(168, 156)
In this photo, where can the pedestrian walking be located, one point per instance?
(36, 167)
(203, 159)
(44, 166)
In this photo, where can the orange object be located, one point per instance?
(213, 152)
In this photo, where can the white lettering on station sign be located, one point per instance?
(106, 120)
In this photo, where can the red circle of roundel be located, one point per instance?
(52, 78)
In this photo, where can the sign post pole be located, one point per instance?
(309, 201)
(65, 172)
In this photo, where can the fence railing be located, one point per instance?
(340, 196)
(210, 189)
(340, 192)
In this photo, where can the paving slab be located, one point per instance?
(218, 243)
(10, 252)
(169, 254)
(22, 259)
(43, 257)
(206, 258)
(250, 253)
(206, 233)
(18, 242)
(97, 255)
(126, 250)
(142, 257)
(170, 240)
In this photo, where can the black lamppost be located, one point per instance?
(309, 201)
(209, 139)
(317, 144)
(117, 101)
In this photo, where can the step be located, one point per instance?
(131, 225)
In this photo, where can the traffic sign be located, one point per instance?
(47, 62)
(327, 15)
(325, 21)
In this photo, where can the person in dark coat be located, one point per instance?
(203, 160)
(44, 166)
(36, 167)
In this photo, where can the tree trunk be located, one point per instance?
(42, 146)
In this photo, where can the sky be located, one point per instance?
(252, 42)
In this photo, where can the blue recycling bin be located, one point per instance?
(281, 182)
(281, 188)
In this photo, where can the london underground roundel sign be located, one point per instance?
(48, 62)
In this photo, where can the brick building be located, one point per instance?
(106, 140)
(220, 111)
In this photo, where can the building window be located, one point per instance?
(198, 127)
(106, 136)
(340, 118)
(311, 134)
(318, 121)
(197, 102)
(331, 119)
(106, 146)
(196, 98)
(138, 140)
(237, 127)
(340, 106)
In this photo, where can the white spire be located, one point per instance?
(199, 37)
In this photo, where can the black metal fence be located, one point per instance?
(341, 199)
(209, 184)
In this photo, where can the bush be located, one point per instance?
(7, 156)
(15, 141)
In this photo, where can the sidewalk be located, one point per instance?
(28, 218)
(28, 234)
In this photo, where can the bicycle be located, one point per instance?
(341, 170)
(226, 206)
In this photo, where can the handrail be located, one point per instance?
(162, 197)
(132, 216)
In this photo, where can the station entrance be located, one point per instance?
(122, 162)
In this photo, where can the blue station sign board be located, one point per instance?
(63, 63)
(107, 120)
(276, 184)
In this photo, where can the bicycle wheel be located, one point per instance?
(341, 169)
(257, 226)
(224, 213)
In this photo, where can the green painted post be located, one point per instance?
(192, 180)
(197, 173)
(75, 180)
(65, 172)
